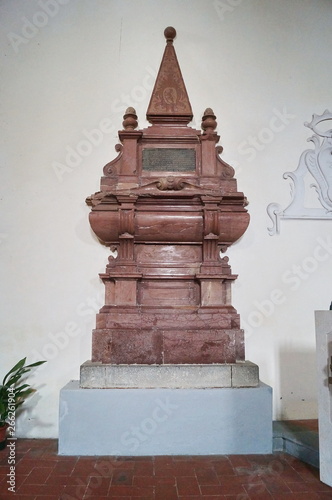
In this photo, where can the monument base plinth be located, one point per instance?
(165, 421)
(96, 375)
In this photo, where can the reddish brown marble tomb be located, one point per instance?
(169, 205)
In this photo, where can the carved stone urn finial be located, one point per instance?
(209, 123)
(170, 34)
(130, 119)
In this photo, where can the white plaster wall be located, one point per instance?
(71, 66)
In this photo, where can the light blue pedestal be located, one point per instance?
(146, 422)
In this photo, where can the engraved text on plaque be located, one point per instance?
(169, 159)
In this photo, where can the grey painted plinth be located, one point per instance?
(100, 376)
(323, 321)
(146, 422)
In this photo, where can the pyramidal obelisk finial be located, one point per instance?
(169, 101)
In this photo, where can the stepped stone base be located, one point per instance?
(168, 335)
(95, 375)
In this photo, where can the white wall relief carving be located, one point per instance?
(315, 166)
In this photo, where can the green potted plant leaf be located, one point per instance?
(13, 395)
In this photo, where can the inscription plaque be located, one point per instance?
(169, 159)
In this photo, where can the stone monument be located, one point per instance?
(168, 206)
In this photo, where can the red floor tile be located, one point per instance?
(38, 475)
(40, 489)
(166, 492)
(63, 468)
(154, 480)
(239, 461)
(187, 485)
(295, 496)
(224, 468)
(43, 475)
(73, 491)
(276, 485)
(124, 490)
(124, 476)
(143, 468)
(206, 476)
(98, 486)
(258, 491)
(225, 488)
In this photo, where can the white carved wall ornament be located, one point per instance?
(316, 163)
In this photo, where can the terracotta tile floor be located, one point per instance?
(41, 474)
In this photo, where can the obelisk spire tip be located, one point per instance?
(170, 34)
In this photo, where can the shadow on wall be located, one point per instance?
(297, 384)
